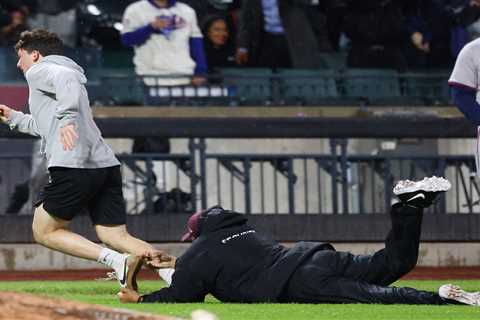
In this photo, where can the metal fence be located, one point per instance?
(271, 184)
(324, 184)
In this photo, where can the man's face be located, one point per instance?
(26, 60)
(161, 3)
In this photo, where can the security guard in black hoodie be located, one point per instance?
(235, 263)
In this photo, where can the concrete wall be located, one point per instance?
(35, 257)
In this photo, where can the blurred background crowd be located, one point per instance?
(398, 34)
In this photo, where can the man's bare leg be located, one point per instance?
(53, 233)
(118, 238)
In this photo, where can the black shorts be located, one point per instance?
(96, 191)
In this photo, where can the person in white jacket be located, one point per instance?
(84, 172)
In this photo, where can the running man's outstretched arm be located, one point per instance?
(18, 120)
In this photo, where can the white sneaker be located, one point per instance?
(453, 292)
(421, 193)
(431, 184)
(126, 273)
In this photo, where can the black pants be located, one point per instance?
(336, 277)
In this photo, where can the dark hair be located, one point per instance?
(210, 19)
(44, 41)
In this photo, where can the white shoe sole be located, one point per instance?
(431, 184)
(453, 292)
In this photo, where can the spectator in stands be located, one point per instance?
(276, 34)
(377, 34)
(25, 6)
(225, 8)
(334, 11)
(465, 13)
(58, 15)
(437, 30)
(167, 41)
(169, 53)
(10, 33)
(219, 48)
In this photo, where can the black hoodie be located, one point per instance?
(233, 262)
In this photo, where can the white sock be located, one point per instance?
(111, 258)
(166, 275)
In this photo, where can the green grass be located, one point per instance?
(104, 293)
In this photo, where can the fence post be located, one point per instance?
(291, 189)
(248, 192)
(203, 171)
(388, 183)
(334, 174)
(344, 170)
(151, 181)
(193, 173)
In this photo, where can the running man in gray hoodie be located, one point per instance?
(84, 172)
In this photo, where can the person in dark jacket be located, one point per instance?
(219, 48)
(280, 34)
(377, 34)
(235, 263)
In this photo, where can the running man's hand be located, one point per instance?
(128, 296)
(159, 260)
(4, 113)
(68, 136)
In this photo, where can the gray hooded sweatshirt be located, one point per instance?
(57, 98)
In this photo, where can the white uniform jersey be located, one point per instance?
(164, 53)
(466, 73)
(467, 67)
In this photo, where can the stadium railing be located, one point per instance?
(323, 184)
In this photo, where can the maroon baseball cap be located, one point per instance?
(192, 227)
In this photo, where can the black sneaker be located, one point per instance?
(421, 194)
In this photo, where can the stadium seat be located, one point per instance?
(114, 87)
(85, 57)
(371, 85)
(117, 58)
(334, 60)
(428, 88)
(301, 86)
(248, 86)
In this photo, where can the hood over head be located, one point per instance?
(211, 220)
